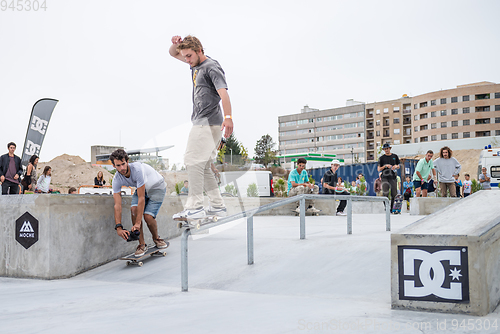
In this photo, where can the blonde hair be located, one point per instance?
(190, 42)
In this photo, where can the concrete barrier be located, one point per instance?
(449, 261)
(427, 205)
(76, 232)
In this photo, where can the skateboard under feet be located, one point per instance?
(196, 223)
(307, 212)
(152, 251)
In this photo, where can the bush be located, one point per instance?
(230, 189)
(178, 187)
(476, 186)
(252, 190)
(280, 187)
(361, 189)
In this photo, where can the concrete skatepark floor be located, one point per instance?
(330, 282)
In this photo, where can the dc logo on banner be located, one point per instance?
(433, 273)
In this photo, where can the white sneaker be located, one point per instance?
(297, 209)
(213, 211)
(312, 209)
(191, 214)
(341, 213)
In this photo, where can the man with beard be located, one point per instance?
(146, 201)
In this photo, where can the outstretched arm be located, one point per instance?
(118, 215)
(176, 40)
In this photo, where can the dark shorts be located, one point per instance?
(419, 184)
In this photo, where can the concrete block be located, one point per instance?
(449, 261)
(427, 205)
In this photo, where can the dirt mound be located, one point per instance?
(72, 171)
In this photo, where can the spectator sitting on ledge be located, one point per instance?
(99, 179)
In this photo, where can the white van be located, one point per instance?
(490, 158)
(242, 180)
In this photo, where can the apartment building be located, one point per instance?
(467, 111)
(339, 131)
(387, 121)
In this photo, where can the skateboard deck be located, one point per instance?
(152, 251)
(196, 223)
(398, 202)
(310, 213)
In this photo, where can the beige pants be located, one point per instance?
(200, 153)
(299, 190)
(445, 186)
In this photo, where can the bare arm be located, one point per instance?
(118, 216)
(176, 40)
(141, 194)
(227, 124)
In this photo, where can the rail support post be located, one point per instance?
(387, 215)
(349, 216)
(302, 207)
(184, 259)
(250, 239)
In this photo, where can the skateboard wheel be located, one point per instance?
(179, 225)
(140, 264)
(198, 226)
(216, 218)
(164, 254)
(128, 263)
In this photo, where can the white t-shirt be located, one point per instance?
(140, 174)
(467, 186)
(43, 183)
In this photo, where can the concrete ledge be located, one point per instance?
(427, 205)
(449, 261)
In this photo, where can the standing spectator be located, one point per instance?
(185, 189)
(484, 179)
(422, 175)
(29, 180)
(447, 167)
(458, 185)
(10, 171)
(332, 184)
(467, 186)
(43, 184)
(407, 190)
(387, 164)
(298, 184)
(99, 179)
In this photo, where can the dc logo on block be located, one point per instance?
(27, 230)
(433, 273)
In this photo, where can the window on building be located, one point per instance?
(465, 98)
(497, 133)
(416, 129)
(466, 122)
(466, 134)
(454, 136)
(483, 121)
(396, 131)
(497, 119)
(378, 133)
(482, 96)
(433, 125)
(466, 110)
(319, 119)
(454, 123)
(395, 109)
(433, 102)
(415, 140)
(415, 106)
(422, 139)
(423, 116)
(423, 104)
(444, 124)
(423, 127)
(415, 117)
(454, 111)
(433, 114)
(497, 107)
(302, 121)
(443, 112)
(483, 133)
(497, 95)
(377, 122)
(443, 101)
(433, 138)
(483, 109)
(396, 120)
(454, 99)
(444, 136)
(386, 110)
(378, 111)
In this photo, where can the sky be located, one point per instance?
(107, 63)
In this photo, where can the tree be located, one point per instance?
(264, 150)
(244, 153)
(158, 165)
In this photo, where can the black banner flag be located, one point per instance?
(37, 128)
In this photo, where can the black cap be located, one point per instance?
(386, 145)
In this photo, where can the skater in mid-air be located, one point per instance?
(209, 89)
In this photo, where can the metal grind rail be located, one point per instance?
(250, 213)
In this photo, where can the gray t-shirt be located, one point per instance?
(485, 184)
(140, 174)
(208, 77)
